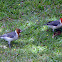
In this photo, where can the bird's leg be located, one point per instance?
(53, 30)
(9, 44)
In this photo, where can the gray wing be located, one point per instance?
(54, 23)
(11, 34)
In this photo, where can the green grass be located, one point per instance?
(35, 43)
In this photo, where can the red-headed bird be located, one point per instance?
(55, 24)
(11, 36)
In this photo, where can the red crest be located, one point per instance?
(61, 20)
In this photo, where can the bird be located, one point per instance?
(55, 24)
(11, 36)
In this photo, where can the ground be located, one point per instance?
(35, 43)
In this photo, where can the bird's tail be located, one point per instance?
(45, 24)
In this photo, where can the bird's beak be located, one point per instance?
(20, 30)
